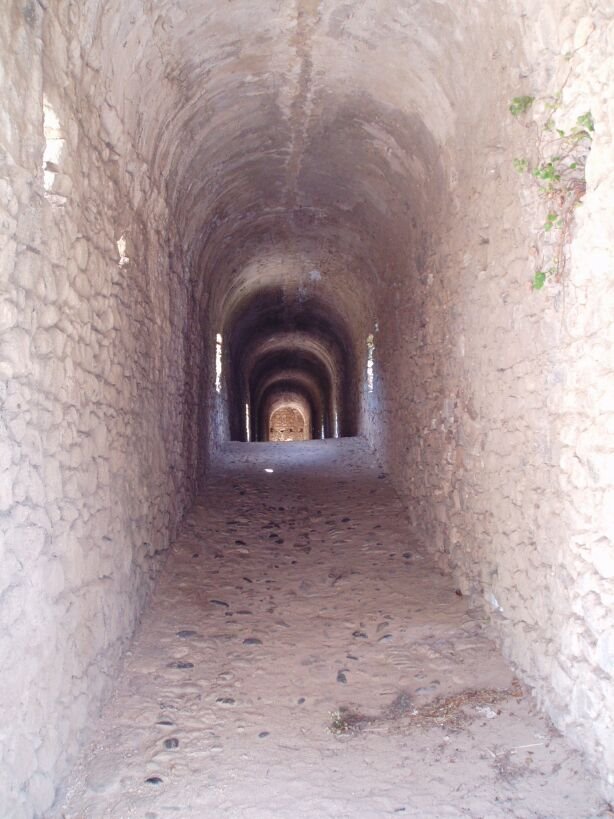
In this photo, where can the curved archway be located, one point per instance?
(272, 331)
(296, 382)
(287, 417)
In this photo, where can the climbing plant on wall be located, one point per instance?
(557, 168)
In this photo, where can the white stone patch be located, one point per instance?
(122, 246)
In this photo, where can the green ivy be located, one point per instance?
(520, 105)
(559, 173)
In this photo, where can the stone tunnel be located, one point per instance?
(369, 239)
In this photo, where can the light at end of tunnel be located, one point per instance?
(268, 469)
(247, 424)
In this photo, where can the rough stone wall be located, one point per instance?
(97, 429)
(582, 630)
(497, 430)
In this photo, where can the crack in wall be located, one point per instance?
(307, 18)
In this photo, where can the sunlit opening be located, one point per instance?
(268, 470)
(218, 363)
(54, 145)
(247, 424)
(122, 246)
(370, 361)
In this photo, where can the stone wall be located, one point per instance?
(497, 430)
(97, 392)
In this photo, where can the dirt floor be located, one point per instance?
(300, 658)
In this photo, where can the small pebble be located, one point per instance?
(252, 641)
(171, 742)
(359, 634)
(219, 603)
(186, 632)
(153, 780)
(225, 700)
(164, 722)
(180, 664)
(263, 734)
(301, 700)
(341, 678)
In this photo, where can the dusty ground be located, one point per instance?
(301, 659)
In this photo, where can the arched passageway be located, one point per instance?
(396, 212)
(276, 337)
(289, 419)
(299, 387)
